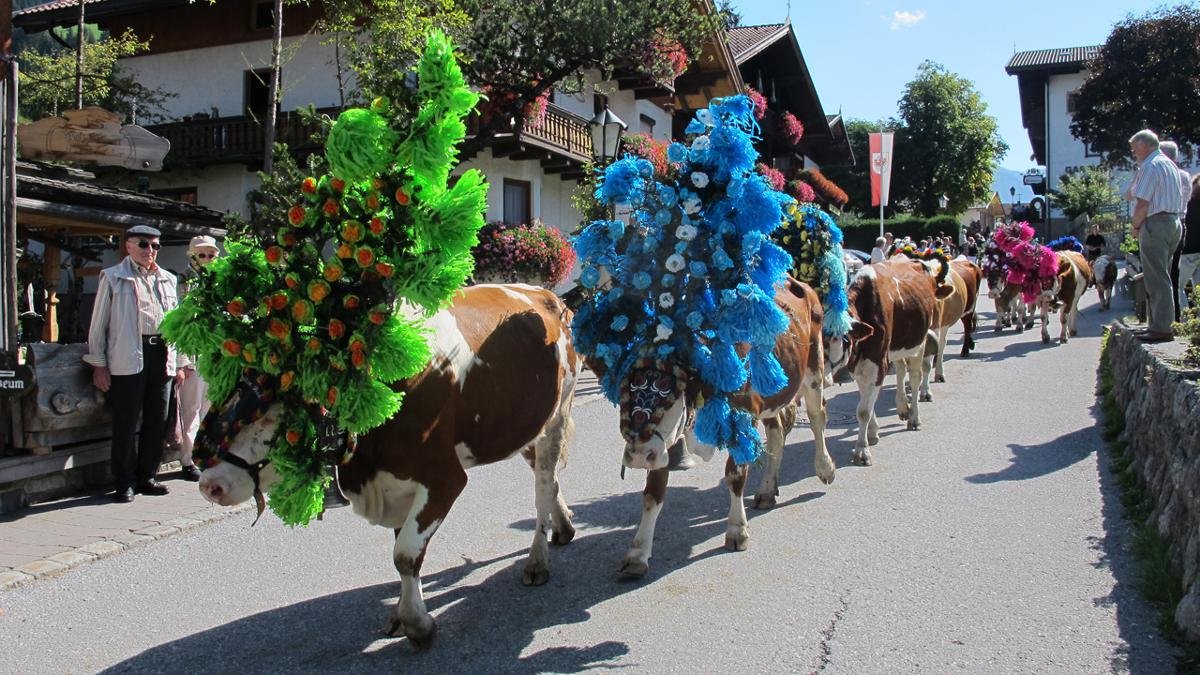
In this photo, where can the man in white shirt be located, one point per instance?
(877, 252)
(1171, 150)
(1157, 197)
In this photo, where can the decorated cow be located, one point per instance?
(1063, 295)
(1104, 275)
(344, 344)
(691, 321)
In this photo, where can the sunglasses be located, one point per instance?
(142, 243)
(206, 256)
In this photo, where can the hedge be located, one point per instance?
(861, 233)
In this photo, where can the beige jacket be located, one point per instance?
(114, 340)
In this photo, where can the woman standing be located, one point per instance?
(192, 391)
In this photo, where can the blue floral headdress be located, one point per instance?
(814, 241)
(694, 273)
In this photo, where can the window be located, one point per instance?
(517, 195)
(262, 17)
(188, 195)
(1072, 102)
(1089, 151)
(257, 91)
(646, 123)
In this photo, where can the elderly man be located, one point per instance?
(1171, 150)
(131, 362)
(1158, 200)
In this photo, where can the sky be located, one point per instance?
(861, 53)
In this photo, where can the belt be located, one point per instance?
(152, 339)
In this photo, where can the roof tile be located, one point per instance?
(1042, 58)
(747, 39)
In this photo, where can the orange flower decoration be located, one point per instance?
(373, 201)
(337, 184)
(313, 344)
(344, 251)
(302, 311)
(378, 314)
(358, 359)
(384, 269)
(236, 307)
(350, 302)
(331, 207)
(352, 231)
(286, 379)
(232, 347)
(318, 290)
(292, 436)
(286, 237)
(292, 280)
(376, 226)
(278, 301)
(333, 271)
(331, 397)
(297, 214)
(278, 328)
(402, 197)
(336, 329)
(248, 354)
(364, 256)
(309, 185)
(274, 255)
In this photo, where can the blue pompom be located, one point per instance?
(766, 374)
(746, 444)
(713, 424)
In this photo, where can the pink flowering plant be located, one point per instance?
(759, 101)
(791, 128)
(533, 253)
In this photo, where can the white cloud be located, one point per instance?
(902, 19)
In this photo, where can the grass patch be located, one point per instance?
(1159, 581)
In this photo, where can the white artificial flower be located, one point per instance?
(664, 333)
(675, 263)
(705, 116)
(692, 206)
(686, 232)
(701, 143)
(666, 301)
(699, 179)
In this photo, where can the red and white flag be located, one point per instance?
(881, 167)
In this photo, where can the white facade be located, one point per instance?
(211, 80)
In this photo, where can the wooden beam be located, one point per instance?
(528, 153)
(51, 268)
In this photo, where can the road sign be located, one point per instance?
(1033, 179)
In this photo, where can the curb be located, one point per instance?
(61, 563)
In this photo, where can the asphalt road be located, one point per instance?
(990, 541)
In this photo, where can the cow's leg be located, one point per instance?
(1045, 306)
(637, 558)
(1072, 326)
(868, 428)
(943, 335)
(430, 504)
(776, 427)
(1063, 321)
(902, 396)
(968, 324)
(814, 405)
(737, 529)
(913, 365)
(552, 511)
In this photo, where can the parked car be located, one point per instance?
(855, 259)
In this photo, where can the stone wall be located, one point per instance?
(1161, 401)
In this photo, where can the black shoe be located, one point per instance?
(190, 473)
(123, 495)
(152, 487)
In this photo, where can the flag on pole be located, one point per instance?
(881, 167)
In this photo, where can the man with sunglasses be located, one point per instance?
(131, 362)
(190, 402)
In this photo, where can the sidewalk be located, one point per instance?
(51, 538)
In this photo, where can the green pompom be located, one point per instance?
(220, 373)
(360, 145)
(401, 350)
(430, 280)
(453, 218)
(366, 405)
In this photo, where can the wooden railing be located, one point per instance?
(240, 139)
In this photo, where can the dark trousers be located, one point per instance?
(146, 395)
(1175, 271)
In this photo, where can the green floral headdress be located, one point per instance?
(318, 307)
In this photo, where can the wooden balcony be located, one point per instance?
(560, 141)
(228, 140)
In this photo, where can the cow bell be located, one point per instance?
(333, 496)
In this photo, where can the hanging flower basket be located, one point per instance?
(791, 128)
(528, 254)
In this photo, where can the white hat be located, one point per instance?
(203, 241)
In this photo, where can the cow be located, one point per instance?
(1011, 309)
(501, 382)
(1074, 276)
(964, 278)
(892, 309)
(1104, 273)
(657, 406)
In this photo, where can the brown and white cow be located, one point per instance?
(657, 404)
(892, 307)
(1104, 273)
(1011, 309)
(1074, 276)
(963, 278)
(501, 382)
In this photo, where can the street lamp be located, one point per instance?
(606, 130)
(1012, 191)
(943, 202)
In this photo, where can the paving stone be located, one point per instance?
(132, 539)
(103, 549)
(157, 531)
(12, 579)
(183, 523)
(42, 568)
(73, 558)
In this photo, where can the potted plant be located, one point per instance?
(533, 254)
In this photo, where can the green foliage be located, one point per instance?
(1085, 192)
(1130, 244)
(946, 143)
(48, 79)
(1189, 329)
(1143, 77)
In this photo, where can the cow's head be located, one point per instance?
(234, 440)
(654, 412)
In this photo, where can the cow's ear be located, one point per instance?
(860, 330)
(944, 291)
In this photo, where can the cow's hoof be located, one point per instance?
(1074, 333)
(737, 540)
(1045, 339)
(939, 379)
(421, 640)
(394, 628)
(965, 353)
(861, 458)
(765, 501)
(872, 438)
(902, 414)
(631, 568)
(913, 425)
(562, 537)
(535, 574)
(926, 398)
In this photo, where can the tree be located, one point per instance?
(856, 179)
(273, 95)
(946, 143)
(1145, 76)
(48, 80)
(1085, 192)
